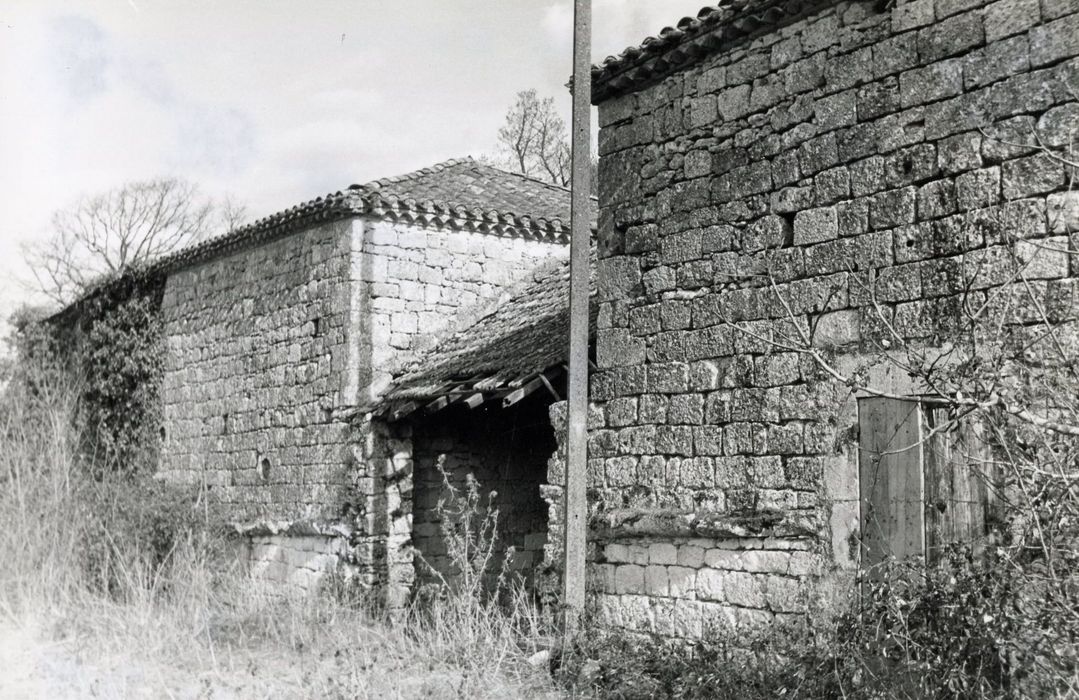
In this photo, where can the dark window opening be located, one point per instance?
(788, 229)
(264, 469)
(316, 327)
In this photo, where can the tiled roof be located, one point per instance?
(481, 187)
(693, 38)
(522, 337)
(456, 194)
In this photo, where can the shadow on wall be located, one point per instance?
(506, 450)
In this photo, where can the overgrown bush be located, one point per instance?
(110, 531)
(787, 663)
(122, 359)
(972, 627)
(110, 345)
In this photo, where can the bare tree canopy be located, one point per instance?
(534, 141)
(104, 235)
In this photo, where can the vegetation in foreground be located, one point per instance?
(116, 586)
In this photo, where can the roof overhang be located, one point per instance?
(715, 28)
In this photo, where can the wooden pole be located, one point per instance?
(576, 438)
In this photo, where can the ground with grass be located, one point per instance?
(115, 586)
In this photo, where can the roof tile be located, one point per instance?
(524, 335)
(676, 48)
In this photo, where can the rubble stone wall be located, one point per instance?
(256, 346)
(773, 186)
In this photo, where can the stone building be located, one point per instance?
(780, 181)
(786, 177)
(281, 336)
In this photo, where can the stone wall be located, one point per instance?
(773, 186)
(256, 347)
(506, 451)
(293, 565)
(423, 281)
(270, 346)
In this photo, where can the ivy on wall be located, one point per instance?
(111, 344)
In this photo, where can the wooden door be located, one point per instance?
(926, 480)
(958, 476)
(892, 488)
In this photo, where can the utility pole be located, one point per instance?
(575, 502)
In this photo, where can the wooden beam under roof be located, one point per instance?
(405, 410)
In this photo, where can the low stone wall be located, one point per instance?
(293, 565)
(682, 587)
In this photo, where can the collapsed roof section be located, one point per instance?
(518, 347)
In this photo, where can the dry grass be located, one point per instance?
(90, 606)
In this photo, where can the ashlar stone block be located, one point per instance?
(978, 188)
(655, 580)
(815, 226)
(743, 589)
(1054, 41)
(1006, 17)
(1034, 174)
(690, 555)
(629, 578)
(682, 581)
(709, 585)
(996, 61)
(952, 36)
(1046, 258)
(1063, 211)
(837, 328)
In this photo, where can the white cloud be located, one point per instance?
(558, 24)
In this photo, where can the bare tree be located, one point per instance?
(104, 235)
(534, 141)
(231, 214)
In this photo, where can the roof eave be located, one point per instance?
(674, 49)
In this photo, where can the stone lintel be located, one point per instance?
(638, 522)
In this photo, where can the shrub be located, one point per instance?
(68, 524)
(477, 604)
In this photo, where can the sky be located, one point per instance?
(270, 102)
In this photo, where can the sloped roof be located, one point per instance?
(475, 185)
(460, 193)
(693, 38)
(523, 336)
